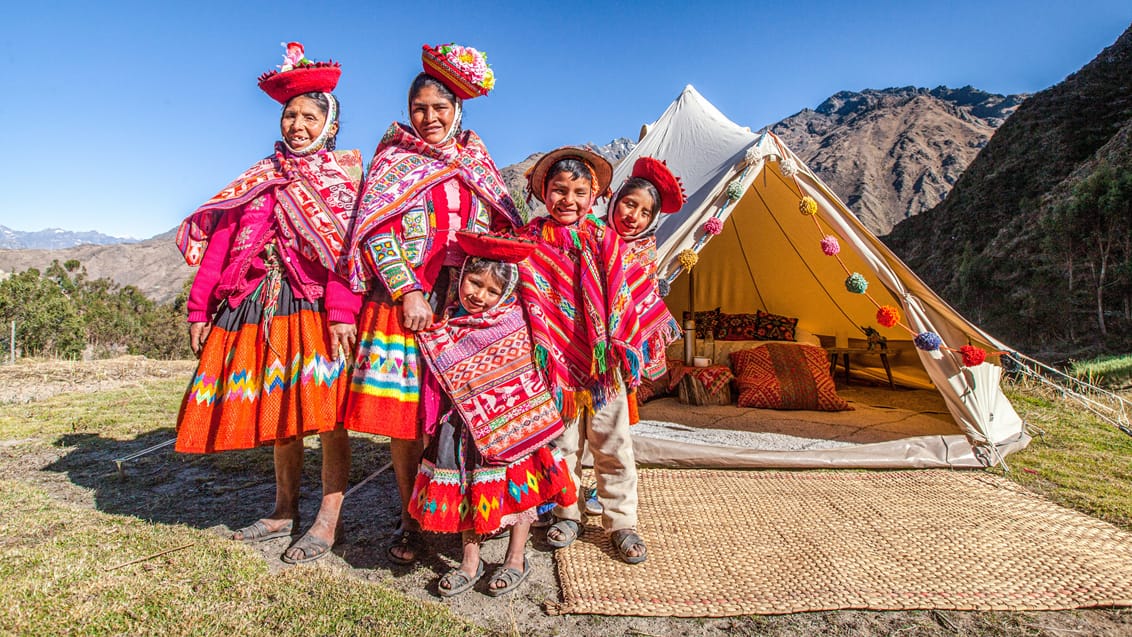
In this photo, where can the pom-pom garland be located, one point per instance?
(688, 258)
(829, 245)
(788, 167)
(808, 206)
(888, 316)
(753, 156)
(928, 341)
(713, 226)
(734, 189)
(856, 283)
(663, 287)
(972, 355)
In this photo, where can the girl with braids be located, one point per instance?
(585, 328)
(428, 179)
(490, 461)
(269, 317)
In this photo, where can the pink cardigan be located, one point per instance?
(232, 267)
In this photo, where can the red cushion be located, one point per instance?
(774, 327)
(782, 376)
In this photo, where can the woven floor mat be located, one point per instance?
(725, 543)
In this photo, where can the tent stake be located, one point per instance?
(133, 456)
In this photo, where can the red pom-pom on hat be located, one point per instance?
(656, 172)
(494, 247)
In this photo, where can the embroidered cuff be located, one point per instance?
(390, 265)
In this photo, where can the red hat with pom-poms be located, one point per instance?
(656, 172)
(299, 75)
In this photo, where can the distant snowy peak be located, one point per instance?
(615, 150)
(54, 239)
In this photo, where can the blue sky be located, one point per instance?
(122, 117)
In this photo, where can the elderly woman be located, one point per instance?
(428, 180)
(269, 317)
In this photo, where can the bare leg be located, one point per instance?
(516, 551)
(288, 473)
(406, 460)
(335, 475)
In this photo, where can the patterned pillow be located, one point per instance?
(705, 322)
(774, 327)
(781, 376)
(736, 327)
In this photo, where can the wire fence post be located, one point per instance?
(12, 345)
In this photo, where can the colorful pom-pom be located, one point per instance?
(753, 156)
(734, 189)
(829, 245)
(688, 258)
(808, 206)
(788, 167)
(663, 287)
(928, 341)
(972, 355)
(713, 226)
(857, 283)
(888, 315)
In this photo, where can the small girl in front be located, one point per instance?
(584, 325)
(489, 461)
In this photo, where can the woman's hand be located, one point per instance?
(198, 334)
(418, 314)
(343, 337)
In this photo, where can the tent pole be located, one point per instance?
(690, 322)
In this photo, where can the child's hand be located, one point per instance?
(418, 314)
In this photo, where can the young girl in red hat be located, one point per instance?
(489, 462)
(585, 328)
(269, 317)
(428, 179)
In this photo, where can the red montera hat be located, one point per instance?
(462, 69)
(494, 247)
(299, 75)
(655, 172)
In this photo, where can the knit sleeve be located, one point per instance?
(342, 303)
(202, 301)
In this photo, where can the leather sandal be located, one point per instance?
(567, 529)
(510, 577)
(411, 540)
(257, 532)
(458, 581)
(625, 539)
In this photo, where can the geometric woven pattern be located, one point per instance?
(772, 542)
(786, 376)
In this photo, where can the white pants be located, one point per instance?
(607, 433)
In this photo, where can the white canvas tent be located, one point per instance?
(769, 256)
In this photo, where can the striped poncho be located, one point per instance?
(658, 328)
(583, 319)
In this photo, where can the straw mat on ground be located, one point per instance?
(724, 543)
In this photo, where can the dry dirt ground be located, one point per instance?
(227, 491)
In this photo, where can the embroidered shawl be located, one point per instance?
(404, 168)
(483, 362)
(583, 319)
(315, 197)
(658, 327)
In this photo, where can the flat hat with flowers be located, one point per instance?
(462, 69)
(299, 75)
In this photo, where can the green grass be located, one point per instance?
(1078, 461)
(61, 573)
(1106, 371)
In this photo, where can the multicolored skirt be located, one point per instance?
(385, 387)
(455, 491)
(260, 381)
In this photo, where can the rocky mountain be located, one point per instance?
(893, 153)
(54, 239)
(154, 266)
(996, 246)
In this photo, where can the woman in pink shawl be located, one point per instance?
(428, 180)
